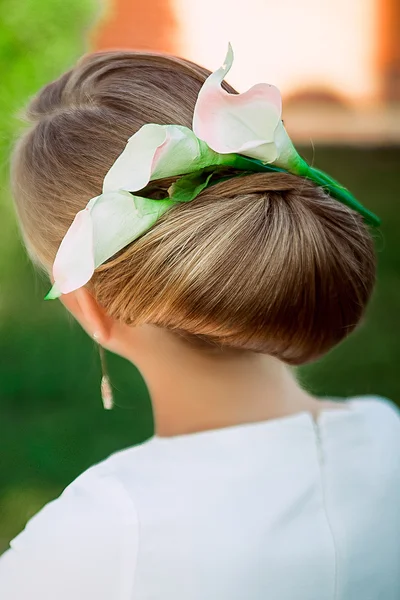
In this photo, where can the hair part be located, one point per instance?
(266, 262)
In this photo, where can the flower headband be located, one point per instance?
(242, 131)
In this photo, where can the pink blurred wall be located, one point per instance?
(337, 62)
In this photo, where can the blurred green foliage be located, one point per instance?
(52, 424)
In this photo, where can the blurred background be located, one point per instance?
(338, 66)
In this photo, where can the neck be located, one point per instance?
(193, 390)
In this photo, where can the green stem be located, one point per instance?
(243, 163)
(342, 194)
(302, 169)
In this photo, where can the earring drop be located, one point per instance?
(105, 386)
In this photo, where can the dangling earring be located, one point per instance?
(105, 387)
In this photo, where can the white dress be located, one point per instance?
(286, 509)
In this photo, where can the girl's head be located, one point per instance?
(265, 262)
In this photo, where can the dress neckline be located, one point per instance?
(304, 416)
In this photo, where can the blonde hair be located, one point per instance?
(262, 262)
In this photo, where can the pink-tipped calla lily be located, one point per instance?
(248, 124)
(157, 151)
(109, 222)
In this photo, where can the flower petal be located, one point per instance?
(109, 222)
(154, 152)
(133, 167)
(177, 155)
(74, 262)
(288, 157)
(238, 123)
(119, 218)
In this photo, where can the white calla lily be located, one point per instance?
(248, 124)
(109, 222)
(157, 151)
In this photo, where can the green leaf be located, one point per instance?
(186, 188)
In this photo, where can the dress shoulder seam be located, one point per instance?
(130, 545)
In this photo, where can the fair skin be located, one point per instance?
(193, 390)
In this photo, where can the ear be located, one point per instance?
(83, 306)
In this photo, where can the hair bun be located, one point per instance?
(263, 262)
